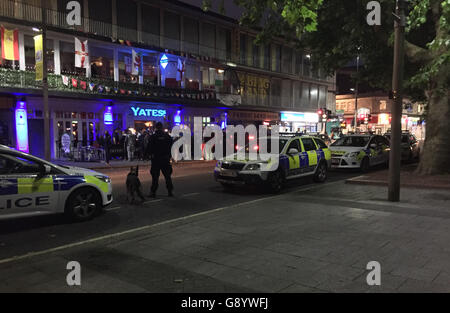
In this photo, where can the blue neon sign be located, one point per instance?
(141, 112)
(108, 116)
(21, 127)
(164, 61)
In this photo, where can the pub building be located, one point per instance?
(113, 73)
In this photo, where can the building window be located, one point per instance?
(208, 39)
(275, 90)
(267, 57)
(30, 59)
(223, 44)
(243, 49)
(150, 70)
(102, 62)
(256, 56)
(171, 25)
(67, 57)
(192, 76)
(151, 25)
(307, 65)
(276, 58)
(125, 68)
(127, 15)
(191, 35)
(287, 60)
(298, 63)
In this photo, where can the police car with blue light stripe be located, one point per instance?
(30, 186)
(359, 152)
(299, 156)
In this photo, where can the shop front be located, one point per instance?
(238, 117)
(301, 122)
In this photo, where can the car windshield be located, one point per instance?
(352, 141)
(281, 143)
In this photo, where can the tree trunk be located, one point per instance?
(435, 154)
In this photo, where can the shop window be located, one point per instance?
(102, 62)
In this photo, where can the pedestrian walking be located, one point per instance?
(160, 147)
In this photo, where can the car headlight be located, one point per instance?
(352, 155)
(105, 179)
(253, 167)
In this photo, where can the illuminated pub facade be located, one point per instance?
(133, 63)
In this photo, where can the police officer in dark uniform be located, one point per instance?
(160, 146)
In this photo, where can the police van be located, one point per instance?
(30, 186)
(299, 156)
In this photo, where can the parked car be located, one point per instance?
(409, 145)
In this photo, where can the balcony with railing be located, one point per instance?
(33, 14)
(76, 86)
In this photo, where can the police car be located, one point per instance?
(299, 156)
(30, 186)
(359, 151)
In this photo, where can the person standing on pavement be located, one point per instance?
(160, 146)
(130, 143)
(107, 146)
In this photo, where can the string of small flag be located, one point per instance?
(102, 89)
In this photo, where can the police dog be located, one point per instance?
(134, 185)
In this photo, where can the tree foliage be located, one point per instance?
(336, 31)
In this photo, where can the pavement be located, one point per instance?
(118, 164)
(313, 238)
(408, 178)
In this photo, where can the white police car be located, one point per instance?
(298, 156)
(30, 186)
(359, 151)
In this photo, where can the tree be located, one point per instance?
(333, 30)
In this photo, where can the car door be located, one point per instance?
(385, 149)
(294, 159)
(310, 148)
(23, 188)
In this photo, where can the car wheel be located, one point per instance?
(321, 173)
(83, 204)
(365, 165)
(275, 181)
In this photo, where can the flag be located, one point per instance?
(121, 41)
(81, 53)
(74, 83)
(38, 53)
(83, 85)
(10, 44)
(108, 89)
(128, 43)
(122, 92)
(100, 89)
(180, 71)
(91, 86)
(65, 80)
(137, 63)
